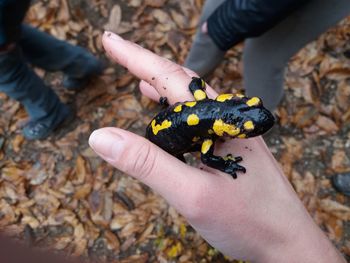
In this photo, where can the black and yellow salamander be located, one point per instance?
(193, 126)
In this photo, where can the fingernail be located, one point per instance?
(107, 144)
(113, 36)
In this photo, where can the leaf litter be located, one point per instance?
(69, 200)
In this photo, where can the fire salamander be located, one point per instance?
(195, 125)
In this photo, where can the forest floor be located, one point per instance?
(57, 193)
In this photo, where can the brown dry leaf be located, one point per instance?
(108, 206)
(8, 192)
(180, 20)
(327, 124)
(17, 142)
(143, 258)
(120, 221)
(307, 93)
(83, 191)
(343, 95)
(340, 161)
(135, 3)
(146, 234)
(306, 188)
(12, 173)
(79, 231)
(80, 247)
(47, 202)
(306, 185)
(81, 171)
(36, 13)
(174, 38)
(305, 116)
(336, 209)
(337, 72)
(63, 12)
(163, 19)
(115, 18)
(128, 243)
(62, 243)
(62, 216)
(8, 214)
(335, 228)
(130, 229)
(31, 221)
(75, 27)
(124, 80)
(112, 240)
(155, 3)
(37, 174)
(292, 153)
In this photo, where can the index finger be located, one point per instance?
(168, 78)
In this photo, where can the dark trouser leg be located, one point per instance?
(204, 55)
(52, 54)
(19, 82)
(266, 57)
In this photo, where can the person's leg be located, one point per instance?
(204, 55)
(49, 53)
(43, 106)
(265, 57)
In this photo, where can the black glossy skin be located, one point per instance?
(177, 138)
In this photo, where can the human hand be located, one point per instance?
(257, 217)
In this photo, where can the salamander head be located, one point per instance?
(249, 117)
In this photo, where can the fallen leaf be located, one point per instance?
(327, 124)
(115, 18)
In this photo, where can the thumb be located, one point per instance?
(148, 163)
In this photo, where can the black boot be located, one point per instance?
(341, 183)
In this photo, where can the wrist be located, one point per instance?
(304, 242)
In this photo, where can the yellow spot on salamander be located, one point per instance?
(255, 101)
(195, 139)
(220, 128)
(248, 125)
(229, 157)
(190, 103)
(192, 120)
(224, 97)
(206, 146)
(203, 83)
(158, 127)
(239, 95)
(178, 108)
(199, 95)
(242, 136)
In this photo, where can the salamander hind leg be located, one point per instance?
(181, 157)
(227, 164)
(197, 88)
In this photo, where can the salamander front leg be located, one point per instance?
(163, 101)
(197, 88)
(227, 164)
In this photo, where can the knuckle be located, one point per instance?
(167, 69)
(144, 160)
